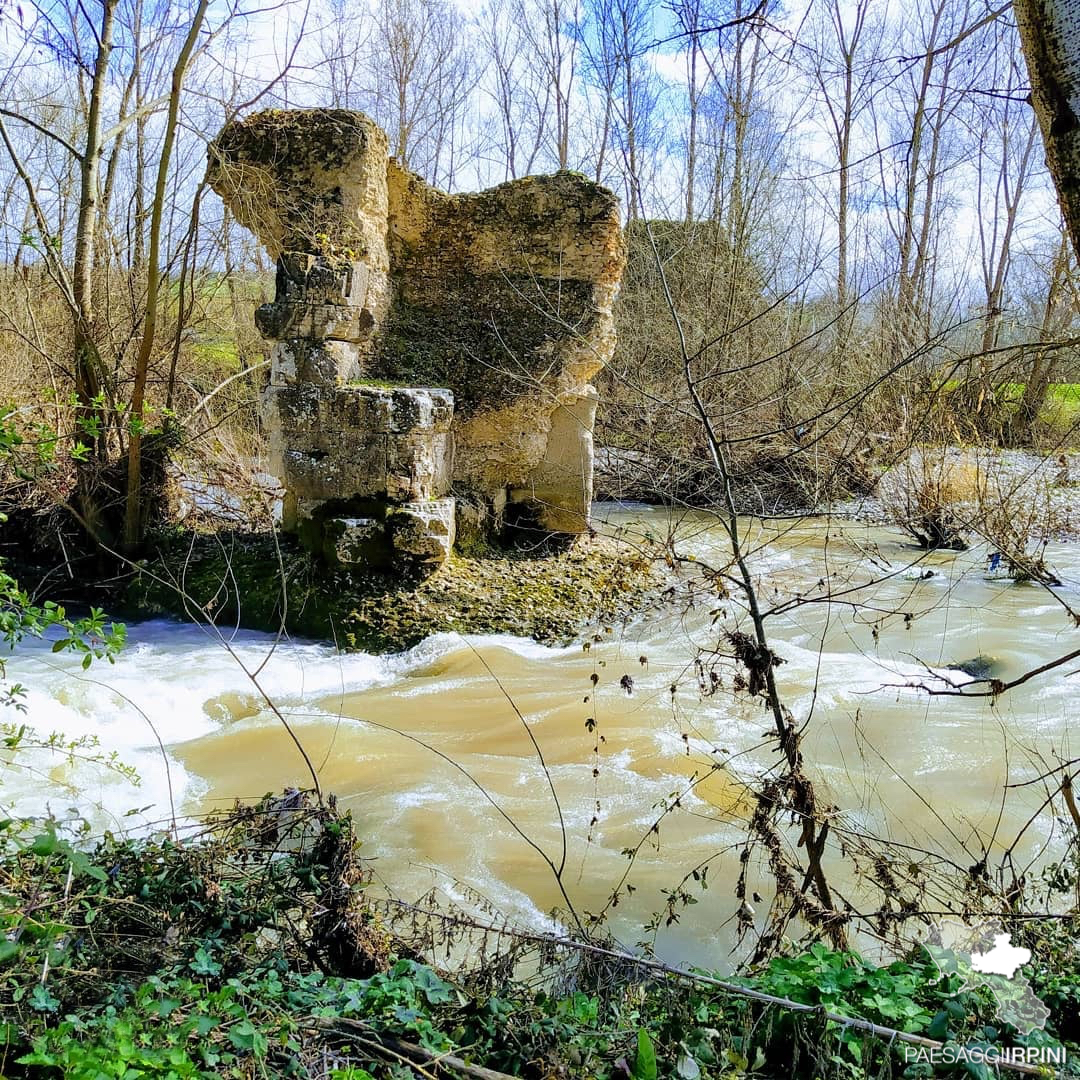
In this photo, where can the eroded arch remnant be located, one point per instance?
(432, 353)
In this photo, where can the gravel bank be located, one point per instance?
(1047, 489)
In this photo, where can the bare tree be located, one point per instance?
(846, 53)
(550, 29)
(691, 16)
(1056, 305)
(77, 283)
(116, 88)
(922, 113)
(133, 512)
(342, 46)
(616, 36)
(421, 76)
(517, 85)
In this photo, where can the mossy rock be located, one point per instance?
(263, 583)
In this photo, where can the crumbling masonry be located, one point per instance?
(432, 354)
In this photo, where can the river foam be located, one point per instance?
(173, 683)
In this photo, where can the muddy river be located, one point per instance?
(460, 755)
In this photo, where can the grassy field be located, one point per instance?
(1060, 414)
(1065, 401)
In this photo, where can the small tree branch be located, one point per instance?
(43, 130)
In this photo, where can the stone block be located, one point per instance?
(442, 410)
(285, 363)
(477, 519)
(323, 363)
(423, 531)
(337, 323)
(418, 466)
(307, 508)
(319, 279)
(318, 322)
(299, 413)
(561, 486)
(332, 363)
(352, 470)
(360, 410)
(305, 475)
(417, 409)
(275, 320)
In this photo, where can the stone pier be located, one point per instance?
(431, 354)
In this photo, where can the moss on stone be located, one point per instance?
(488, 352)
(325, 137)
(551, 597)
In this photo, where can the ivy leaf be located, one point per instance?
(43, 1001)
(205, 1024)
(431, 986)
(242, 1035)
(204, 963)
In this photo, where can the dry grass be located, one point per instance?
(929, 495)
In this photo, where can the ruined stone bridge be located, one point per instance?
(432, 353)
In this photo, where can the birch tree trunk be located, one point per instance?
(1050, 34)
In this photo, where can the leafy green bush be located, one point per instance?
(255, 950)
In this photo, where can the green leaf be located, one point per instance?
(42, 1001)
(81, 864)
(242, 1035)
(246, 1036)
(45, 844)
(431, 986)
(204, 963)
(645, 1061)
(205, 1024)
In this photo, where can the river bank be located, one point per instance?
(1042, 491)
(259, 951)
(261, 582)
(1042, 487)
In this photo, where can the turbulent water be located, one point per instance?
(463, 756)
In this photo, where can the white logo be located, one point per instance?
(983, 955)
(1003, 959)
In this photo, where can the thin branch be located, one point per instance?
(47, 132)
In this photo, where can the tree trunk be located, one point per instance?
(133, 510)
(88, 376)
(1050, 35)
(87, 380)
(1043, 361)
